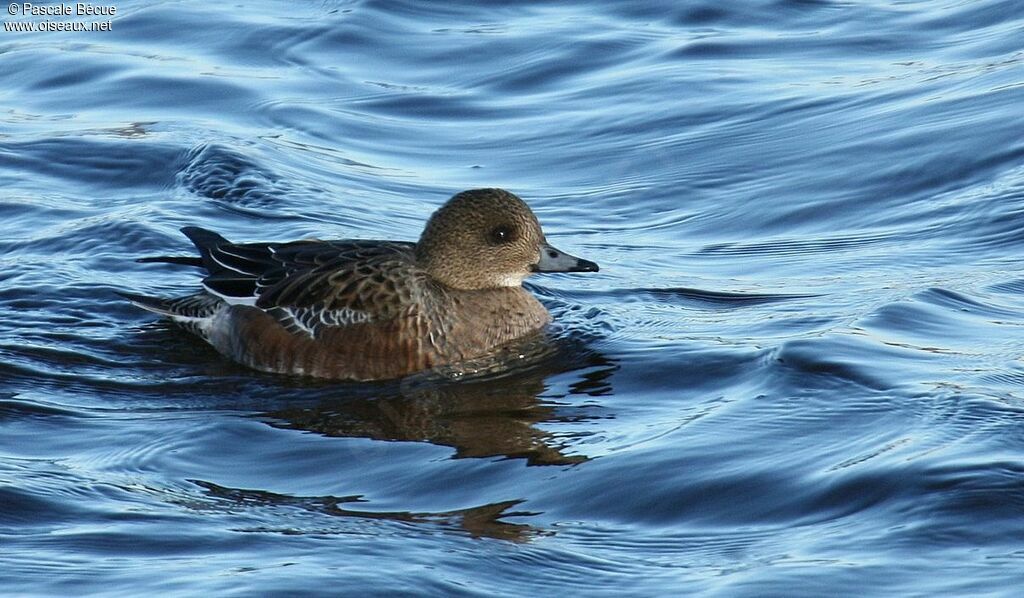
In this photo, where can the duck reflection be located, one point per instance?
(483, 521)
(484, 409)
(480, 414)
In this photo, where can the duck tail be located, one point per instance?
(206, 241)
(194, 312)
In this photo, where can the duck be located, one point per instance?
(366, 310)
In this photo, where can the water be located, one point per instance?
(797, 373)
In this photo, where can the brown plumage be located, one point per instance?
(371, 310)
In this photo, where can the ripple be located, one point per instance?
(12, 408)
(839, 361)
(94, 161)
(218, 173)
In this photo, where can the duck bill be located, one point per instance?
(554, 260)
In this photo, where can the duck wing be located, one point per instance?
(244, 272)
(371, 285)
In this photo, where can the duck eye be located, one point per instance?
(501, 235)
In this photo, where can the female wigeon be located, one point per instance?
(372, 310)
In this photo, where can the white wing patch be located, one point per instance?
(342, 317)
(230, 299)
(307, 320)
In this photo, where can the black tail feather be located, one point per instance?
(172, 259)
(205, 241)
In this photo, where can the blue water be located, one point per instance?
(798, 372)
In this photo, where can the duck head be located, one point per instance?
(489, 238)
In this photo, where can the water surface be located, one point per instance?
(797, 373)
